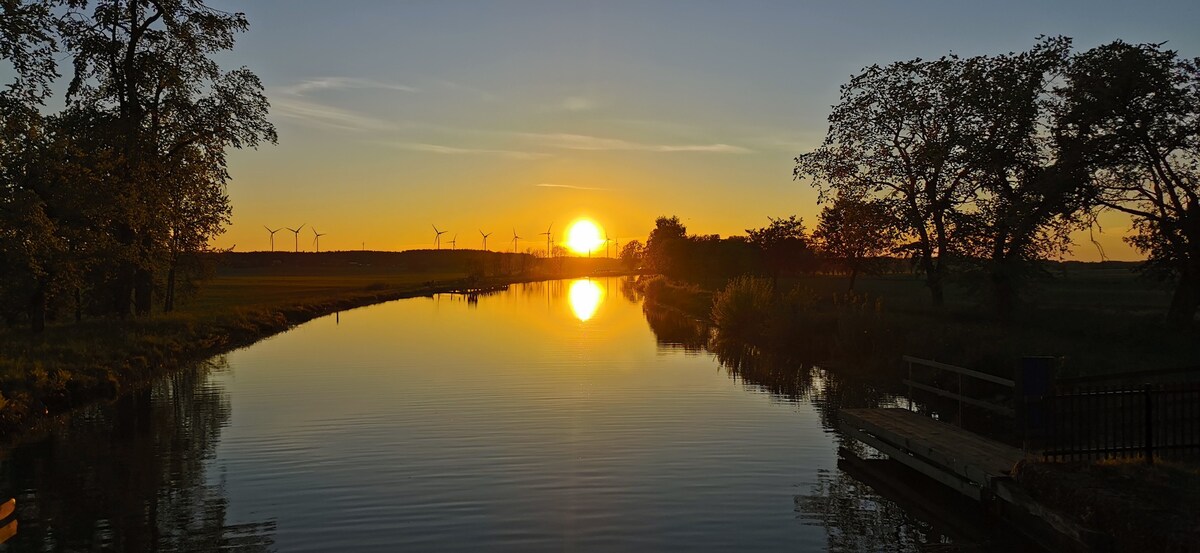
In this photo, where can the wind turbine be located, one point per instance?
(437, 237)
(548, 235)
(296, 236)
(454, 241)
(485, 235)
(272, 235)
(607, 241)
(317, 238)
(515, 238)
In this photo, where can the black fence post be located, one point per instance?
(1033, 399)
(1148, 394)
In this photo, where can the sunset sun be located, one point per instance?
(584, 237)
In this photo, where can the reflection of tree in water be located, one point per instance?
(855, 518)
(630, 290)
(673, 329)
(130, 475)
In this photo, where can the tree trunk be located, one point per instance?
(169, 295)
(853, 277)
(933, 280)
(1186, 298)
(122, 291)
(1003, 294)
(37, 308)
(143, 291)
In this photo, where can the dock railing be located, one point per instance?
(932, 373)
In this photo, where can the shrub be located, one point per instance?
(743, 308)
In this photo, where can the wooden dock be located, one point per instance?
(964, 461)
(975, 466)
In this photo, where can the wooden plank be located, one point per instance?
(970, 401)
(945, 517)
(964, 454)
(961, 370)
(947, 478)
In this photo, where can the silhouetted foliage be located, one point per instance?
(1029, 196)
(1132, 112)
(632, 254)
(897, 135)
(785, 246)
(663, 243)
(119, 192)
(854, 233)
(982, 162)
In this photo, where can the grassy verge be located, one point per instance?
(1097, 320)
(252, 297)
(1141, 507)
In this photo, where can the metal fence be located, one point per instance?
(1105, 422)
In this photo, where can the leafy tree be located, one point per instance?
(28, 232)
(784, 245)
(632, 254)
(1030, 193)
(1132, 111)
(898, 135)
(664, 244)
(148, 66)
(853, 233)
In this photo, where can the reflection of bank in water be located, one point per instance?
(147, 452)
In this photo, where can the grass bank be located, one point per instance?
(1139, 507)
(252, 296)
(1098, 319)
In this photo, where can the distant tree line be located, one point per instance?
(782, 248)
(106, 203)
(988, 163)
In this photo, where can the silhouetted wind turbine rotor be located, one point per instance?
(548, 235)
(296, 236)
(272, 235)
(317, 239)
(485, 236)
(437, 237)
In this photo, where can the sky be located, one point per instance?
(397, 115)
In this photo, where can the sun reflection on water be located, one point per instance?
(585, 296)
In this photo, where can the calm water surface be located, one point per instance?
(553, 416)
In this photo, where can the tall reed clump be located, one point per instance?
(686, 297)
(743, 309)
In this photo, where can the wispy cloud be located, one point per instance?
(467, 89)
(584, 142)
(578, 103)
(293, 102)
(570, 186)
(326, 116)
(453, 150)
(341, 83)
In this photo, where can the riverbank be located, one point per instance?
(1097, 321)
(253, 296)
(1128, 504)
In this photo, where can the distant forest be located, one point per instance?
(986, 165)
